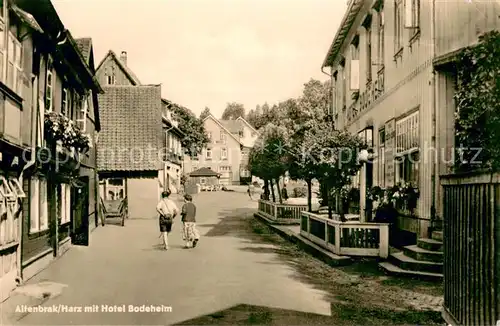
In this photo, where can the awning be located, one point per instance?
(26, 18)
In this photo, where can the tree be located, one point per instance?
(195, 137)
(269, 158)
(331, 155)
(233, 111)
(253, 117)
(205, 113)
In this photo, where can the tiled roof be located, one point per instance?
(204, 172)
(234, 126)
(85, 46)
(131, 119)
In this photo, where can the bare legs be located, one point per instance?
(165, 240)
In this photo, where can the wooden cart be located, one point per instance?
(114, 211)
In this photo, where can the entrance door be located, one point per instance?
(80, 213)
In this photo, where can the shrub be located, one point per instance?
(299, 192)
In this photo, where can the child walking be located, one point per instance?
(167, 210)
(189, 232)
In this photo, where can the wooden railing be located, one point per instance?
(471, 239)
(346, 238)
(281, 213)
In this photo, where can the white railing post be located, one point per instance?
(337, 238)
(384, 241)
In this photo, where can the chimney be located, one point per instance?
(123, 57)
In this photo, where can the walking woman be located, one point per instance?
(167, 210)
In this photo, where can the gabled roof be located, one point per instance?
(204, 172)
(247, 123)
(126, 70)
(233, 126)
(210, 116)
(131, 118)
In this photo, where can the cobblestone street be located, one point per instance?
(239, 273)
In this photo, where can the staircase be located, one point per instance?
(423, 260)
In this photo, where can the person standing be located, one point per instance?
(167, 210)
(189, 232)
(250, 191)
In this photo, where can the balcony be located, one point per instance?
(173, 158)
(365, 100)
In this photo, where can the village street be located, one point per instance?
(230, 267)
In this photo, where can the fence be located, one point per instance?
(346, 238)
(471, 214)
(281, 213)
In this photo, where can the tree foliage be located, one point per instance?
(233, 111)
(477, 95)
(195, 137)
(205, 113)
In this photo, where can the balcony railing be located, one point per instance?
(350, 238)
(366, 99)
(281, 213)
(173, 158)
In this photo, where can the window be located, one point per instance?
(110, 79)
(14, 70)
(344, 87)
(115, 189)
(209, 135)
(367, 136)
(223, 137)
(208, 154)
(203, 181)
(407, 133)
(380, 39)
(82, 110)
(39, 217)
(241, 133)
(381, 158)
(223, 153)
(49, 90)
(64, 102)
(355, 64)
(368, 54)
(407, 168)
(65, 203)
(225, 168)
(412, 14)
(398, 26)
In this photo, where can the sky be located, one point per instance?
(206, 53)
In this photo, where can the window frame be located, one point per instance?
(65, 203)
(223, 153)
(81, 119)
(38, 204)
(208, 157)
(17, 69)
(64, 102)
(49, 89)
(398, 25)
(110, 79)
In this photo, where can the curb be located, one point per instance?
(306, 245)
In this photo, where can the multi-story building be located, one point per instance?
(393, 78)
(46, 81)
(227, 152)
(381, 72)
(172, 151)
(129, 154)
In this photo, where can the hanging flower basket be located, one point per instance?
(60, 128)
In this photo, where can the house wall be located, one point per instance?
(110, 67)
(143, 195)
(465, 21)
(407, 86)
(249, 135)
(217, 163)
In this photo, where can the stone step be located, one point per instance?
(418, 253)
(404, 262)
(430, 244)
(437, 235)
(396, 271)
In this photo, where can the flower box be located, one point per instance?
(65, 133)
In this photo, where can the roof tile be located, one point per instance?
(131, 136)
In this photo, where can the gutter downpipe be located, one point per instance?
(436, 207)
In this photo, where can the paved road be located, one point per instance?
(125, 266)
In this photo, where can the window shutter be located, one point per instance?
(409, 21)
(354, 74)
(68, 203)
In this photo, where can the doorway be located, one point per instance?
(80, 212)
